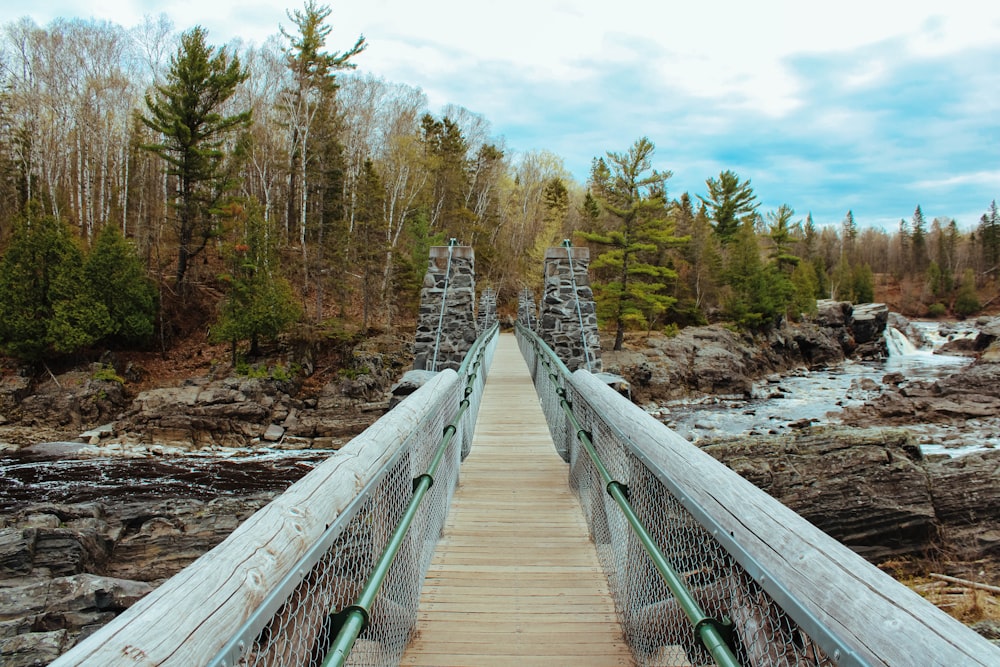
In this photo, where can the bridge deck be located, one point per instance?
(515, 579)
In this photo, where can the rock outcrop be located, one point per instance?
(209, 411)
(971, 393)
(872, 490)
(717, 360)
(66, 570)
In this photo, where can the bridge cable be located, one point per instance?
(576, 297)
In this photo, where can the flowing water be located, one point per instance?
(779, 404)
(27, 478)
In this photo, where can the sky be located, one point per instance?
(873, 107)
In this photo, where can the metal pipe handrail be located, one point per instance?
(353, 619)
(712, 633)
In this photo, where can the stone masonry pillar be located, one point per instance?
(446, 328)
(568, 318)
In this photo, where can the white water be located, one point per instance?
(897, 343)
(819, 396)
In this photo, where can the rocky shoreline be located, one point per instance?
(873, 490)
(716, 360)
(68, 567)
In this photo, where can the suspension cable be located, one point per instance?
(444, 302)
(576, 297)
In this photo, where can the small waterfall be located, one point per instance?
(897, 343)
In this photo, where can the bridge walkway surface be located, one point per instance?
(515, 579)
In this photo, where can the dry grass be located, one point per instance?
(965, 603)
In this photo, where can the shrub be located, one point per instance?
(936, 310)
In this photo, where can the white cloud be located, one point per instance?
(988, 178)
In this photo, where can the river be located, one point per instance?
(27, 478)
(778, 403)
(781, 403)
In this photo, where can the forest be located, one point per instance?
(153, 185)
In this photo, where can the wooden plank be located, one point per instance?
(515, 579)
(878, 619)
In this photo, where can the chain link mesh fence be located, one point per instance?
(654, 624)
(303, 620)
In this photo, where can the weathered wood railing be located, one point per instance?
(794, 595)
(269, 593)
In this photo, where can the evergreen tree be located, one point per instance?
(849, 236)
(781, 236)
(918, 242)
(967, 301)
(115, 278)
(862, 284)
(446, 157)
(590, 212)
(759, 292)
(260, 303)
(186, 113)
(989, 236)
(635, 195)
(809, 239)
(729, 201)
(45, 306)
(369, 246)
(307, 103)
(805, 287)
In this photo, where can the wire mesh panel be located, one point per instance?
(655, 625)
(302, 629)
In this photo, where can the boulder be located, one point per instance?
(868, 322)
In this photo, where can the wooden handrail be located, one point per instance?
(819, 582)
(187, 621)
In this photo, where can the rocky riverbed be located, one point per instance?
(128, 488)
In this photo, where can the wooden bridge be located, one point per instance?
(633, 547)
(515, 579)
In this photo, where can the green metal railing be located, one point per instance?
(714, 634)
(350, 622)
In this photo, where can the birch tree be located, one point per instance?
(313, 73)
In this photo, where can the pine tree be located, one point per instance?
(260, 303)
(445, 152)
(45, 306)
(635, 196)
(185, 112)
(989, 235)
(304, 104)
(729, 201)
(759, 292)
(781, 236)
(805, 287)
(849, 236)
(967, 301)
(918, 242)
